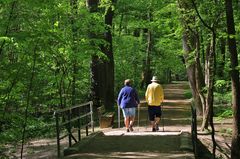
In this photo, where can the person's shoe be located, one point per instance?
(153, 129)
(157, 127)
(130, 128)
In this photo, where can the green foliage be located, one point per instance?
(221, 86)
(222, 111)
(166, 53)
(36, 127)
(222, 98)
(188, 94)
(41, 31)
(128, 60)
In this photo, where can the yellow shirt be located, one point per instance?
(154, 94)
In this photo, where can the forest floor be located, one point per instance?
(176, 119)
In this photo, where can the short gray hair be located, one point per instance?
(127, 82)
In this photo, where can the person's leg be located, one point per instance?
(132, 112)
(157, 121)
(153, 126)
(157, 117)
(132, 118)
(131, 123)
(151, 117)
(127, 123)
(126, 118)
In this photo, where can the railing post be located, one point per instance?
(119, 117)
(91, 112)
(58, 134)
(87, 130)
(69, 127)
(79, 125)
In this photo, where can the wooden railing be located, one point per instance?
(70, 120)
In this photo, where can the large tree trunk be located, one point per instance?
(109, 64)
(205, 104)
(235, 147)
(95, 81)
(95, 66)
(147, 72)
(199, 77)
(191, 72)
(102, 71)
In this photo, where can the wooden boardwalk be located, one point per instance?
(173, 143)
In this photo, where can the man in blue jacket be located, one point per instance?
(128, 101)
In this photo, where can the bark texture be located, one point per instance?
(235, 147)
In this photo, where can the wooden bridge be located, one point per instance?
(174, 141)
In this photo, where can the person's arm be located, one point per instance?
(161, 93)
(146, 94)
(136, 97)
(119, 98)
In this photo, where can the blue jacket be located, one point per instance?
(128, 98)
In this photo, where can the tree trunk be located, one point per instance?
(95, 66)
(189, 44)
(235, 147)
(29, 98)
(199, 77)
(148, 72)
(206, 110)
(102, 72)
(191, 71)
(109, 64)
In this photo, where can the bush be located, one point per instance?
(36, 127)
(222, 98)
(221, 86)
(188, 94)
(223, 111)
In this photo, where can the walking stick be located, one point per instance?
(162, 118)
(119, 117)
(138, 115)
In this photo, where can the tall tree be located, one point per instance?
(209, 70)
(148, 72)
(74, 7)
(190, 40)
(95, 61)
(235, 147)
(102, 70)
(109, 63)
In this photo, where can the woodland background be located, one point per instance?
(55, 54)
